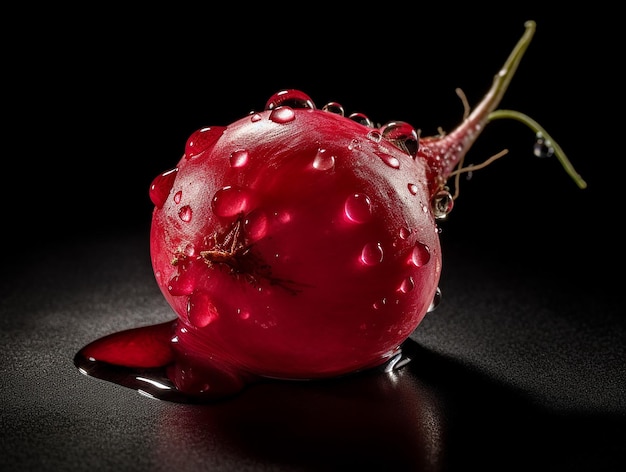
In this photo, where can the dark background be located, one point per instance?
(520, 368)
(100, 101)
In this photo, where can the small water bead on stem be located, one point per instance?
(545, 145)
(446, 152)
(542, 147)
(468, 131)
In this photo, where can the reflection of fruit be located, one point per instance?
(300, 243)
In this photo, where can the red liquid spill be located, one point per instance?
(151, 361)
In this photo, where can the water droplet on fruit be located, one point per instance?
(542, 147)
(402, 135)
(372, 254)
(354, 144)
(361, 118)
(255, 117)
(436, 301)
(379, 304)
(358, 208)
(255, 225)
(388, 159)
(324, 160)
(441, 204)
(230, 201)
(161, 186)
(203, 139)
(420, 255)
(181, 284)
(374, 136)
(413, 189)
(334, 107)
(200, 311)
(282, 114)
(185, 213)
(178, 197)
(404, 232)
(407, 285)
(291, 98)
(238, 158)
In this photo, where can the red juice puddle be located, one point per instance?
(149, 360)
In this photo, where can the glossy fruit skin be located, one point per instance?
(294, 243)
(297, 243)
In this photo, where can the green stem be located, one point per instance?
(537, 128)
(468, 131)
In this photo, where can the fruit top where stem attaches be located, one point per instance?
(300, 243)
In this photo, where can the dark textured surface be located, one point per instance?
(522, 367)
(512, 372)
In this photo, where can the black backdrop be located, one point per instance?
(99, 100)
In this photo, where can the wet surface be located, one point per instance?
(508, 372)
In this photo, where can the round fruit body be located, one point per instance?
(295, 243)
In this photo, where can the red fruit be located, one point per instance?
(298, 243)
